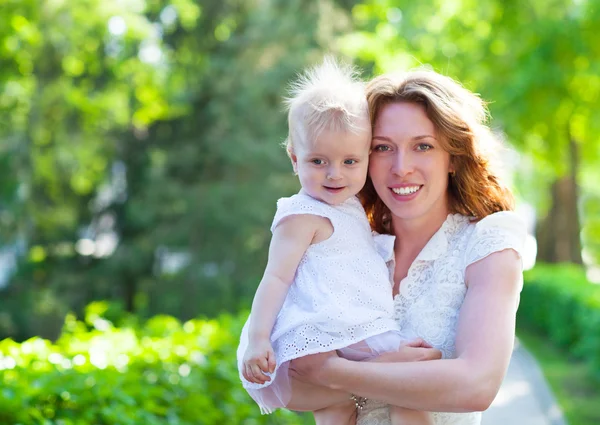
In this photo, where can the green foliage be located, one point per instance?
(537, 63)
(162, 372)
(560, 303)
(157, 124)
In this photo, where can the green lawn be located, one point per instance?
(577, 394)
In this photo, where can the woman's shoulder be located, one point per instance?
(507, 221)
(495, 232)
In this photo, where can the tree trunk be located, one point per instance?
(558, 234)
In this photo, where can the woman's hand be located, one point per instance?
(413, 351)
(314, 368)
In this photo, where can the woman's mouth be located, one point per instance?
(406, 190)
(406, 193)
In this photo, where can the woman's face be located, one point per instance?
(408, 166)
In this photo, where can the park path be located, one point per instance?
(524, 398)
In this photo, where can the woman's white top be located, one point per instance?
(341, 292)
(434, 289)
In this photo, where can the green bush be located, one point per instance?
(162, 372)
(560, 303)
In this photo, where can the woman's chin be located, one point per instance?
(406, 214)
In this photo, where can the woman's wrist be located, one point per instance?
(333, 371)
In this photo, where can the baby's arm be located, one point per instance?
(291, 238)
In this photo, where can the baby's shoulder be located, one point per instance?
(301, 203)
(304, 222)
(303, 211)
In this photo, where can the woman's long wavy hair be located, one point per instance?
(459, 117)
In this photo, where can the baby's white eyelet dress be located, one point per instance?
(341, 297)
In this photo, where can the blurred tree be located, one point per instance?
(538, 62)
(142, 141)
(68, 74)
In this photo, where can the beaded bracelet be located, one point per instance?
(359, 402)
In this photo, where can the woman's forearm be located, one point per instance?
(308, 397)
(484, 343)
(437, 385)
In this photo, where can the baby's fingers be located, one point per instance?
(264, 367)
(247, 374)
(271, 361)
(258, 375)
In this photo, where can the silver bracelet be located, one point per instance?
(359, 402)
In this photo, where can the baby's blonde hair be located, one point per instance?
(328, 96)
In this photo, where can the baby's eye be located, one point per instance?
(350, 162)
(381, 148)
(424, 147)
(317, 161)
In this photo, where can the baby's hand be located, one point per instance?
(258, 360)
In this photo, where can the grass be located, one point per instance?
(576, 392)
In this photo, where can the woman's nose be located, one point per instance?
(403, 164)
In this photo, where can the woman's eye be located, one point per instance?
(317, 161)
(423, 147)
(350, 162)
(381, 148)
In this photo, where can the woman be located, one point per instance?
(457, 272)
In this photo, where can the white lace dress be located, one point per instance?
(432, 293)
(341, 295)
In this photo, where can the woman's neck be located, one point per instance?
(412, 235)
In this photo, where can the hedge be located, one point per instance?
(160, 373)
(165, 372)
(559, 303)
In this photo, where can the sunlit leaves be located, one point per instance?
(163, 371)
(537, 62)
(162, 118)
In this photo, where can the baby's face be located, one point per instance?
(333, 168)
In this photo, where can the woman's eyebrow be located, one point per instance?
(416, 138)
(424, 136)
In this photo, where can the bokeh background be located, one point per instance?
(141, 162)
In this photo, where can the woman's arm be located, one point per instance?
(311, 397)
(484, 342)
(308, 397)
